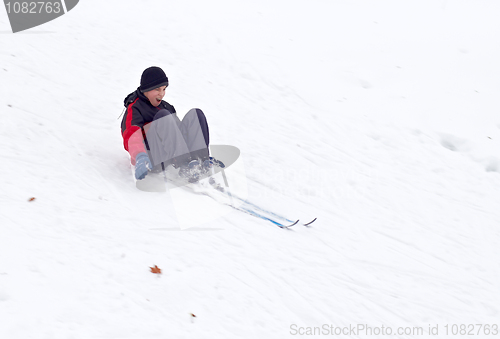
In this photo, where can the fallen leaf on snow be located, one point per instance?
(155, 270)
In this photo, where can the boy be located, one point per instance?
(155, 137)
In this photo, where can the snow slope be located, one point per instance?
(379, 118)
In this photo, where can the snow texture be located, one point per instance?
(381, 118)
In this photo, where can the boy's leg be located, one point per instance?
(166, 140)
(194, 127)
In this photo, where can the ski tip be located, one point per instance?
(310, 222)
(288, 226)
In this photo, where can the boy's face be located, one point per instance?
(155, 95)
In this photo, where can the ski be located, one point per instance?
(310, 222)
(248, 211)
(254, 210)
(246, 202)
(242, 205)
(255, 214)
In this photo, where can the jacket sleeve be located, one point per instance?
(133, 140)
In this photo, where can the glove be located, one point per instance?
(142, 165)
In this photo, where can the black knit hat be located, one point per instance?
(153, 77)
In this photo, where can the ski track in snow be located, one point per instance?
(380, 120)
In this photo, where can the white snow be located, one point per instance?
(381, 118)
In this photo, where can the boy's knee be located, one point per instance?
(161, 114)
(196, 112)
(201, 115)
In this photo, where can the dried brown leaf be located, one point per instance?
(155, 270)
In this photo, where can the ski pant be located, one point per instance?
(172, 141)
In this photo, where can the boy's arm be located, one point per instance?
(133, 140)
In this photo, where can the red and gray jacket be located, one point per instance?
(139, 113)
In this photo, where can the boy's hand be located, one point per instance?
(142, 165)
